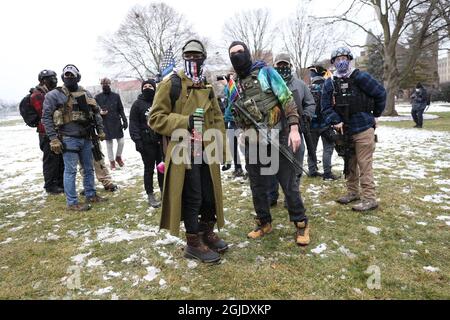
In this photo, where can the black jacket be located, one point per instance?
(139, 129)
(111, 121)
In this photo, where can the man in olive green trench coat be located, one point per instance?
(195, 93)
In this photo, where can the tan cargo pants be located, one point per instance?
(360, 165)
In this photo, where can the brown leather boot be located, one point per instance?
(302, 233)
(196, 249)
(211, 239)
(112, 165)
(261, 230)
(95, 199)
(79, 207)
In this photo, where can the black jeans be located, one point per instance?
(198, 198)
(52, 165)
(417, 114)
(261, 184)
(151, 156)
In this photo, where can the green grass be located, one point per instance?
(440, 124)
(35, 265)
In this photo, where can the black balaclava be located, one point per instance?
(242, 61)
(71, 84)
(51, 82)
(148, 94)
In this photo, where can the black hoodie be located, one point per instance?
(138, 118)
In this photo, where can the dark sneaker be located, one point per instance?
(350, 197)
(302, 233)
(315, 174)
(226, 167)
(111, 187)
(79, 207)
(273, 203)
(238, 173)
(365, 205)
(55, 190)
(96, 199)
(152, 202)
(120, 161)
(330, 176)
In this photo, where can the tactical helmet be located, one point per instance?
(45, 74)
(342, 51)
(194, 46)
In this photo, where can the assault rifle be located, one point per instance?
(93, 126)
(265, 138)
(305, 127)
(343, 142)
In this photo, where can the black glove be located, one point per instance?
(139, 146)
(125, 125)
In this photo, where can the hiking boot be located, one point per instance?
(152, 202)
(350, 197)
(120, 161)
(315, 174)
(54, 190)
(79, 207)
(111, 187)
(302, 233)
(196, 249)
(261, 230)
(112, 165)
(211, 239)
(95, 199)
(330, 177)
(365, 205)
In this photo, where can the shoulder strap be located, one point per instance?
(175, 89)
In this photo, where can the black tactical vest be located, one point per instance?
(349, 98)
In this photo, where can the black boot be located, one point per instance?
(196, 249)
(211, 239)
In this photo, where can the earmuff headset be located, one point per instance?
(78, 72)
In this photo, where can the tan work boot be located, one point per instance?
(349, 197)
(261, 230)
(196, 249)
(302, 233)
(365, 205)
(79, 207)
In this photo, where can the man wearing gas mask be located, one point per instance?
(283, 66)
(69, 115)
(352, 100)
(264, 94)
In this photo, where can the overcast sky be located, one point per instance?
(48, 34)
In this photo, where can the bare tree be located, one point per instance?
(396, 18)
(252, 27)
(138, 46)
(306, 39)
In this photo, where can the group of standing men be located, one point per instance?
(171, 122)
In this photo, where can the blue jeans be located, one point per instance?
(78, 149)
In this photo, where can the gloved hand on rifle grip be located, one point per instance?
(101, 135)
(56, 146)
